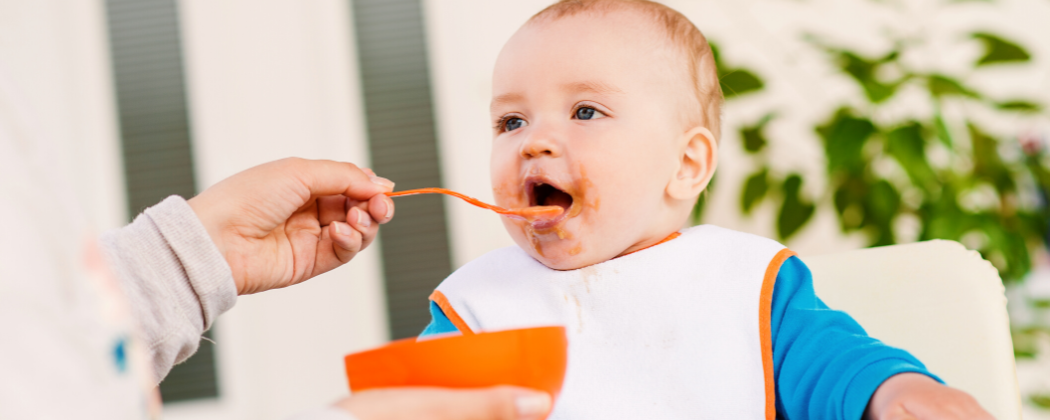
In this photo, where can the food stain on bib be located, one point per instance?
(579, 314)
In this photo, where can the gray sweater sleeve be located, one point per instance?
(177, 283)
(175, 279)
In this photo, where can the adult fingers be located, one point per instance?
(326, 177)
(381, 208)
(332, 208)
(346, 239)
(499, 403)
(346, 243)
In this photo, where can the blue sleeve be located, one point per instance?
(439, 323)
(824, 364)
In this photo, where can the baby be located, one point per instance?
(610, 109)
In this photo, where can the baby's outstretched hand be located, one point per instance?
(908, 396)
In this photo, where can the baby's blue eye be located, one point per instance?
(587, 113)
(513, 124)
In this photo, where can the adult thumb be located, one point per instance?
(505, 403)
(497, 403)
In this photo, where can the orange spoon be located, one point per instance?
(527, 213)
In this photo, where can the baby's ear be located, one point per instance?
(698, 158)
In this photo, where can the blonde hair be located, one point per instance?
(681, 33)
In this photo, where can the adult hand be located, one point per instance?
(497, 403)
(913, 396)
(283, 222)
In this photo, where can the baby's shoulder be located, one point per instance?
(726, 240)
(491, 267)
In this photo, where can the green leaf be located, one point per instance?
(999, 50)
(844, 137)
(755, 189)
(848, 199)
(945, 86)
(1026, 341)
(1019, 105)
(754, 136)
(794, 212)
(1040, 400)
(738, 82)
(908, 146)
(882, 204)
(701, 202)
(942, 129)
(863, 71)
(735, 81)
(988, 166)
(943, 217)
(1007, 242)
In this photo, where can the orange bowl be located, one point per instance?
(531, 357)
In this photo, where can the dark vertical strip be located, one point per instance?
(398, 110)
(155, 135)
(151, 99)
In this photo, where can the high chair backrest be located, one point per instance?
(936, 299)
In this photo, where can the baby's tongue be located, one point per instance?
(558, 198)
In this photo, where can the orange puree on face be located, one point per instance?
(527, 213)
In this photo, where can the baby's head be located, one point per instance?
(609, 108)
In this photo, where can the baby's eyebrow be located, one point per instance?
(599, 88)
(504, 99)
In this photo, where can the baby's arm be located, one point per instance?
(826, 366)
(439, 322)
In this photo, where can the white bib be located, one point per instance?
(676, 331)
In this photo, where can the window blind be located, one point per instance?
(403, 144)
(155, 138)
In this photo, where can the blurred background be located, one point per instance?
(848, 123)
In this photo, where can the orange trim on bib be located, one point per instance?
(667, 239)
(442, 302)
(765, 311)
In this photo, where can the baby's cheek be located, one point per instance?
(507, 194)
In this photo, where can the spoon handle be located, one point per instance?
(528, 213)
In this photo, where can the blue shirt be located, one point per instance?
(824, 364)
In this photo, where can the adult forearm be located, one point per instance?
(176, 281)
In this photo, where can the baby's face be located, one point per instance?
(587, 116)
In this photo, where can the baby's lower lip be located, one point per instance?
(542, 224)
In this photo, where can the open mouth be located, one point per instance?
(544, 194)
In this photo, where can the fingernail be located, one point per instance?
(533, 405)
(338, 230)
(383, 182)
(389, 209)
(362, 219)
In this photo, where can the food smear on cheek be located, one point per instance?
(585, 185)
(531, 234)
(576, 250)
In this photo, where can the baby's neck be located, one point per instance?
(644, 247)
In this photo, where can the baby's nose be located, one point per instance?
(538, 146)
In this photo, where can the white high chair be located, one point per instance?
(936, 299)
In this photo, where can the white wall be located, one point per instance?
(267, 80)
(56, 53)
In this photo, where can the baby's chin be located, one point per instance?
(562, 254)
